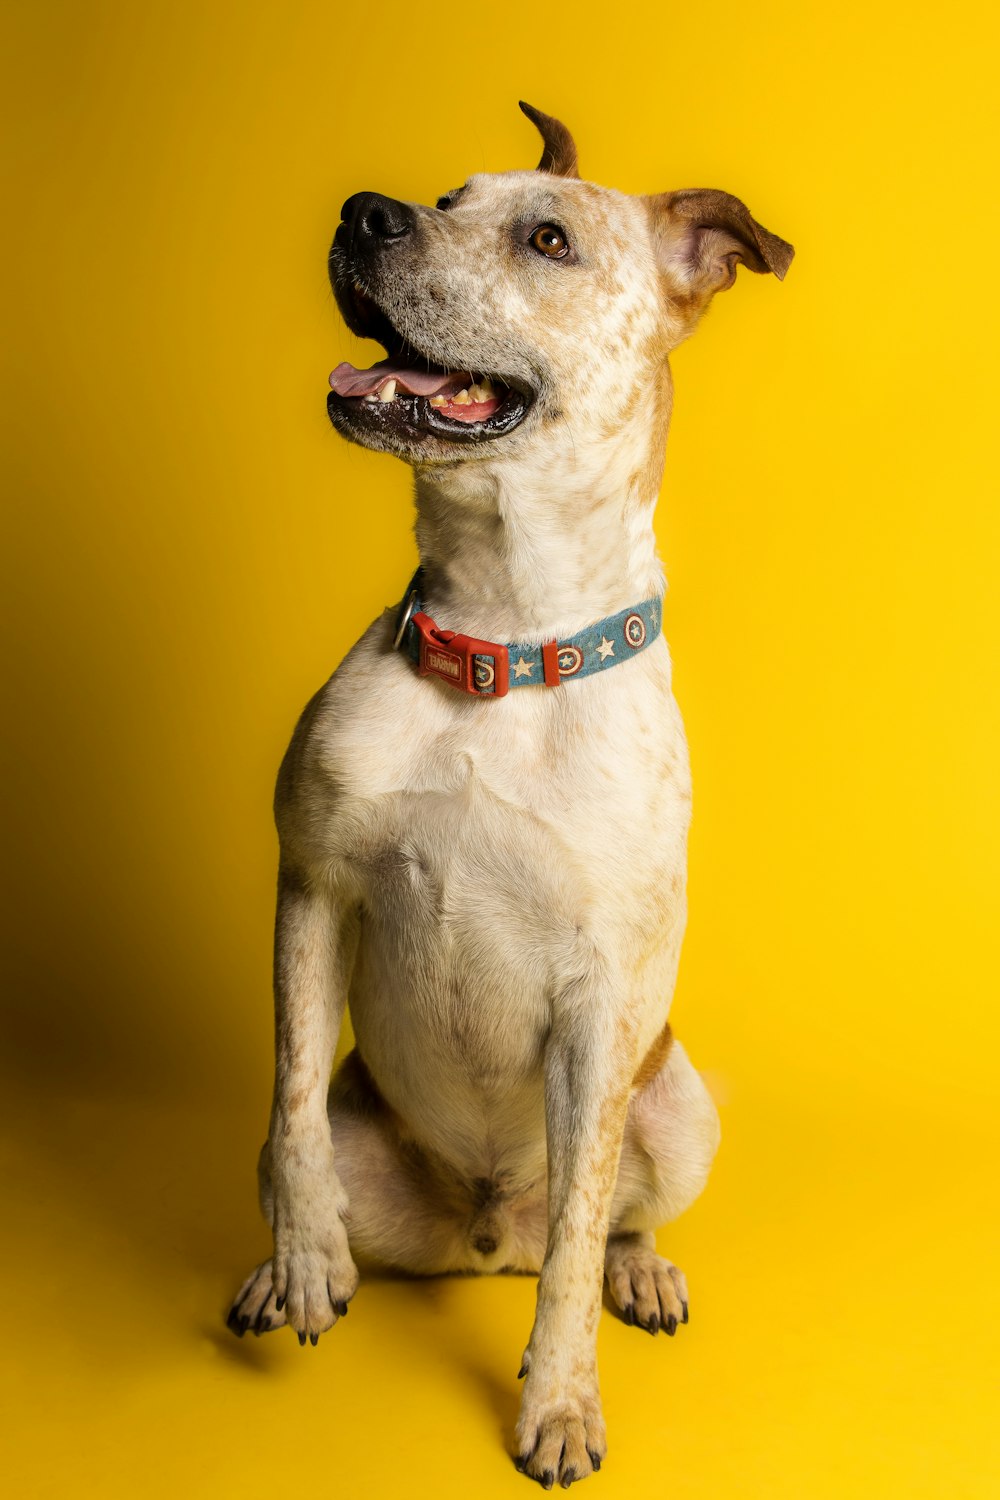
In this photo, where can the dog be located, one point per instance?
(482, 845)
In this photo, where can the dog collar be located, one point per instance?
(488, 669)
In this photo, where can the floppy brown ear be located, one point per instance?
(702, 234)
(559, 156)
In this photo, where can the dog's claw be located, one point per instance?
(235, 1323)
(341, 1309)
(279, 1303)
(302, 1340)
(628, 1314)
(522, 1371)
(685, 1311)
(560, 1432)
(653, 1326)
(314, 1339)
(262, 1325)
(671, 1326)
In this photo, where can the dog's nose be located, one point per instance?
(371, 221)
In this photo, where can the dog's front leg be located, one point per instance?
(313, 1273)
(588, 1069)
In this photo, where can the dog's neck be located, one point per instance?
(532, 550)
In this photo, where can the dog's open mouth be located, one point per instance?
(459, 396)
(407, 392)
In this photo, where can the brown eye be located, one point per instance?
(550, 241)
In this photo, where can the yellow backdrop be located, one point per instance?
(191, 551)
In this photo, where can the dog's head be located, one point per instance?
(524, 300)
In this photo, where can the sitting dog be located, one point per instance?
(499, 891)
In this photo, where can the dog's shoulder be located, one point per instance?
(316, 764)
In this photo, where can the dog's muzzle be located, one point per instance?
(408, 402)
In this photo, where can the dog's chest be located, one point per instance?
(426, 778)
(468, 824)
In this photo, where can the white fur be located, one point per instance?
(497, 887)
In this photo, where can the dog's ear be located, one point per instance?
(559, 156)
(702, 234)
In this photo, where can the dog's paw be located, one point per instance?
(254, 1305)
(561, 1441)
(313, 1283)
(650, 1291)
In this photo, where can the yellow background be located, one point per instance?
(190, 552)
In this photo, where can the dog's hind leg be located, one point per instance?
(403, 1212)
(671, 1136)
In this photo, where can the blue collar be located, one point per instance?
(487, 669)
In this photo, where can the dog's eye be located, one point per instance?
(550, 241)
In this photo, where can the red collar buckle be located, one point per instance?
(453, 658)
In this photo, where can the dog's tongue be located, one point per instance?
(346, 380)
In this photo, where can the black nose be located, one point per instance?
(371, 221)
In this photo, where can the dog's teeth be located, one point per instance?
(461, 399)
(388, 391)
(371, 396)
(439, 400)
(482, 390)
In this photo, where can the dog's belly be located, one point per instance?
(449, 1002)
(473, 915)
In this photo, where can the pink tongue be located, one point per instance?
(348, 381)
